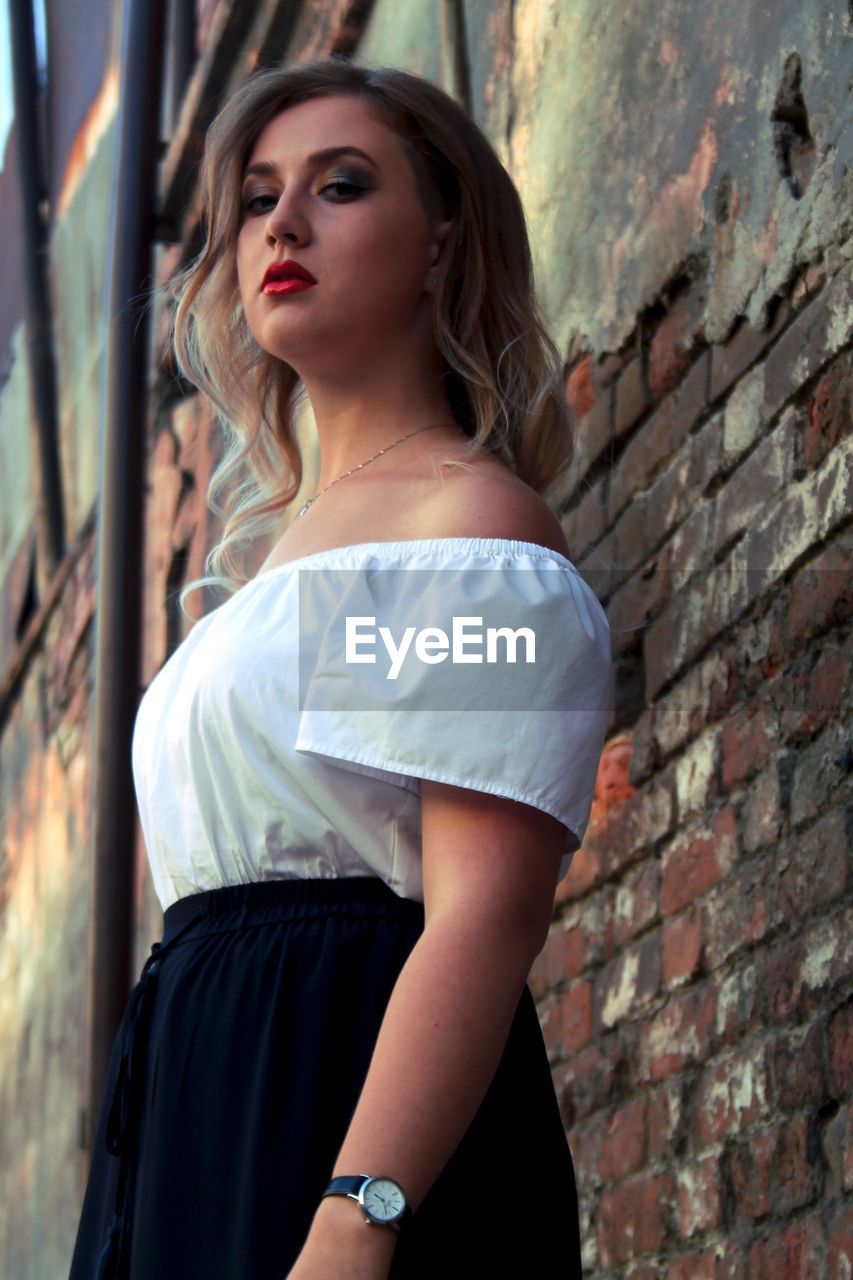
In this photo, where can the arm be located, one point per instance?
(490, 872)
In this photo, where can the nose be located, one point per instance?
(286, 222)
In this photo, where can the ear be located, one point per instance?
(441, 231)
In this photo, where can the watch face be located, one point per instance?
(383, 1199)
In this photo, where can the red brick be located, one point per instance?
(667, 1120)
(815, 336)
(576, 1006)
(777, 1169)
(830, 412)
(680, 1034)
(813, 869)
(732, 1094)
(693, 864)
(793, 1252)
(820, 596)
(839, 1254)
(841, 1051)
(632, 1218)
(749, 740)
(627, 984)
(636, 904)
(682, 947)
(798, 1070)
(739, 912)
(581, 395)
(679, 333)
(731, 359)
(588, 1082)
(623, 1142)
(722, 1261)
(632, 397)
(699, 1197)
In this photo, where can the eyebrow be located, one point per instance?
(266, 168)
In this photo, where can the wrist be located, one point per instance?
(335, 1215)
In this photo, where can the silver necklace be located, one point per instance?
(304, 508)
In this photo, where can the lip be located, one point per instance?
(287, 270)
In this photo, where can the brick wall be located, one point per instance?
(695, 989)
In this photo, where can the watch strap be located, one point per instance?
(350, 1184)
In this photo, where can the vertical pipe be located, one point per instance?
(120, 534)
(40, 364)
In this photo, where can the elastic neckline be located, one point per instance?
(485, 546)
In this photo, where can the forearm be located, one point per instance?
(439, 1045)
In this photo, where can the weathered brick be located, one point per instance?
(624, 1142)
(731, 1095)
(682, 947)
(590, 1080)
(795, 1252)
(693, 864)
(636, 903)
(762, 474)
(586, 523)
(576, 1007)
(798, 1068)
(776, 1169)
(797, 976)
(731, 359)
(678, 334)
(819, 773)
(632, 397)
(830, 412)
(627, 984)
(839, 1250)
(699, 1197)
(814, 867)
(667, 1114)
(819, 596)
(650, 449)
(639, 822)
(838, 1150)
(722, 1261)
(680, 1034)
(761, 817)
(581, 394)
(748, 742)
(819, 331)
(740, 911)
(633, 1218)
(744, 419)
(740, 1004)
(841, 1050)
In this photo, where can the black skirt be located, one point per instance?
(233, 1079)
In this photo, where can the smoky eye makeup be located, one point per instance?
(353, 183)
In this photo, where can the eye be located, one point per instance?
(342, 182)
(251, 200)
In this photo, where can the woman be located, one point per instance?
(341, 1075)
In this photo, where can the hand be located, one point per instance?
(342, 1246)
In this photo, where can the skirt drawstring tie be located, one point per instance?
(125, 1102)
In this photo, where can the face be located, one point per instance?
(356, 222)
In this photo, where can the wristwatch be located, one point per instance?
(382, 1200)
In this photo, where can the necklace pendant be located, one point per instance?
(302, 510)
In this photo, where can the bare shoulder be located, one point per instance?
(493, 505)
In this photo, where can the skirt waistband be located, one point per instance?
(290, 898)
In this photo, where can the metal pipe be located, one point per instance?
(120, 536)
(40, 363)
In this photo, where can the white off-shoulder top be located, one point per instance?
(288, 734)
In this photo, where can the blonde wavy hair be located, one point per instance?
(504, 374)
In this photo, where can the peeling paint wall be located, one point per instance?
(686, 174)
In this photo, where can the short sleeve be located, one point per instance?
(495, 678)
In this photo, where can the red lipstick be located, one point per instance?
(286, 276)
